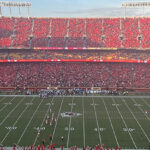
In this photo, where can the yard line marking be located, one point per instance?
(29, 123)
(83, 121)
(146, 102)
(43, 120)
(2, 99)
(57, 119)
(7, 105)
(111, 124)
(136, 120)
(12, 111)
(69, 125)
(125, 124)
(97, 122)
(17, 121)
(141, 110)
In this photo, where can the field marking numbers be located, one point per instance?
(111, 124)
(12, 110)
(16, 121)
(49, 104)
(6, 104)
(125, 125)
(142, 110)
(138, 105)
(137, 121)
(43, 121)
(29, 122)
(71, 129)
(39, 128)
(100, 129)
(94, 104)
(70, 104)
(100, 139)
(28, 103)
(10, 128)
(57, 119)
(115, 104)
(128, 129)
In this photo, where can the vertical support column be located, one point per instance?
(0, 11)
(10, 11)
(28, 9)
(125, 12)
(143, 12)
(19, 12)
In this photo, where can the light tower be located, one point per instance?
(15, 4)
(134, 5)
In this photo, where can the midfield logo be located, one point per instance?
(70, 114)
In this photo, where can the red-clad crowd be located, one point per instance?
(72, 32)
(71, 74)
(52, 147)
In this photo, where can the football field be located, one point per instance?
(82, 121)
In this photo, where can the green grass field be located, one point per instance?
(113, 121)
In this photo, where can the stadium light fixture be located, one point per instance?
(134, 5)
(14, 4)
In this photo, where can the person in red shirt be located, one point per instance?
(62, 147)
(50, 136)
(43, 141)
(39, 147)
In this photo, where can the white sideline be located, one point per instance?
(29, 122)
(137, 121)
(12, 111)
(100, 139)
(107, 96)
(43, 120)
(125, 124)
(111, 124)
(16, 121)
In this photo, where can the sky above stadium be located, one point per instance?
(76, 8)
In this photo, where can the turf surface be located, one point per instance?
(113, 121)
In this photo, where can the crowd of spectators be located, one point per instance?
(79, 74)
(53, 147)
(64, 32)
(75, 54)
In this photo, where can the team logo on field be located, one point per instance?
(70, 114)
